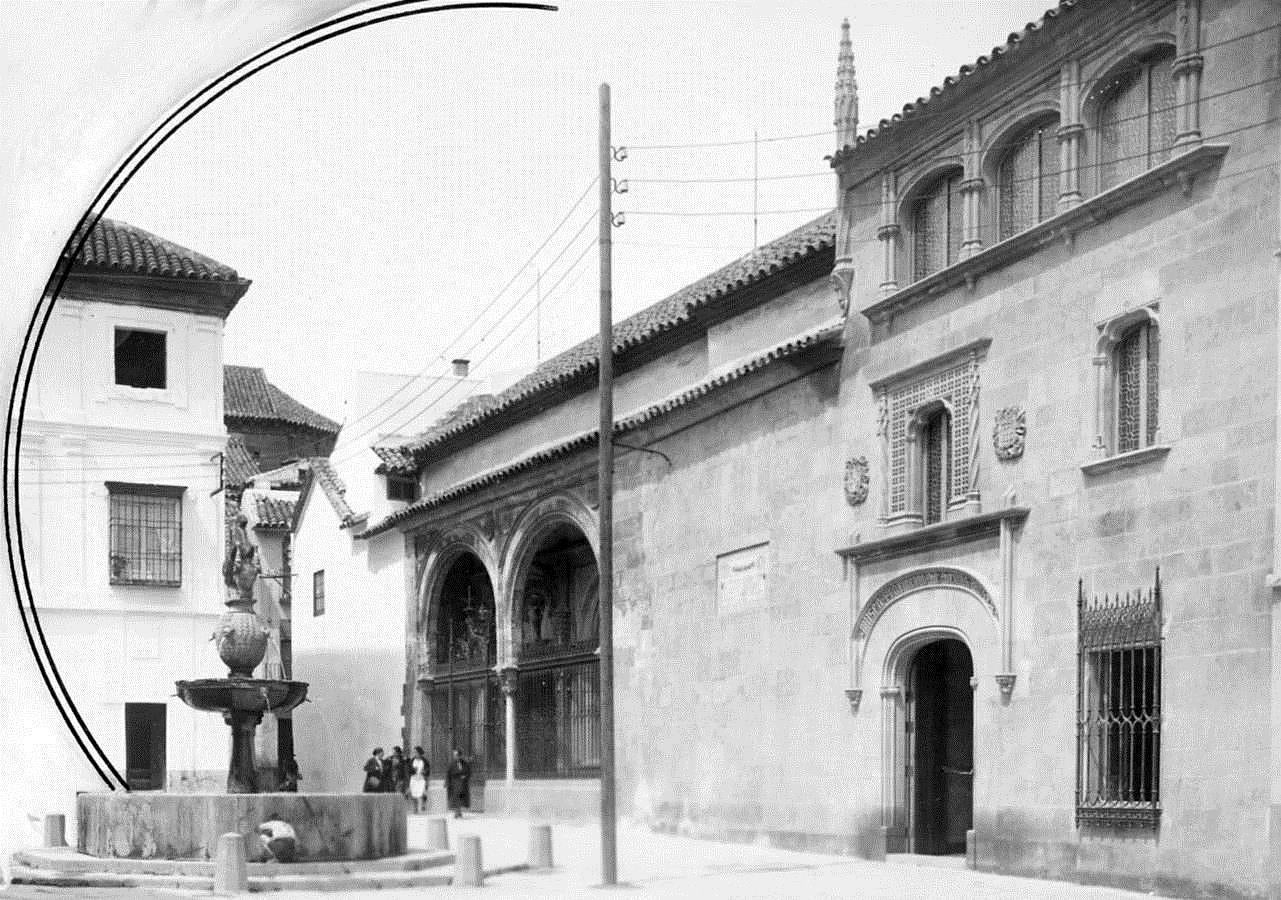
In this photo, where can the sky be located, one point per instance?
(405, 194)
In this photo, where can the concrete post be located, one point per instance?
(231, 870)
(55, 830)
(437, 833)
(540, 846)
(468, 870)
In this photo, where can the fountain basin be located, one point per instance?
(329, 827)
(242, 694)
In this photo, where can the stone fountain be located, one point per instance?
(178, 826)
(242, 638)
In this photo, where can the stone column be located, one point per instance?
(971, 191)
(888, 233)
(508, 684)
(1101, 386)
(1069, 135)
(1187, 75)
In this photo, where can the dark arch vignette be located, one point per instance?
(16, 407)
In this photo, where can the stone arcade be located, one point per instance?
(945, 523)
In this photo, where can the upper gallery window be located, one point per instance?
(935, 440)
(1028, 178)
(145, 534)
(140, 358)
(937, 229)
(1136, 118)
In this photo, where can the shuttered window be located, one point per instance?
(937, 226)
(1028, 179)
(1136, 119)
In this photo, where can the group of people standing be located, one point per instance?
(408, 777)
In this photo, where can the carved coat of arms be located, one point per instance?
(1009, 432)
(856, 480)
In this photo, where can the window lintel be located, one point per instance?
(944, 360)
(151, 490)
(1113, 330)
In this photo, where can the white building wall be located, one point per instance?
(353, 655)
(115, 644)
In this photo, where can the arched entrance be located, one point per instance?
(940, 733)
(555, 635)
(464, 699)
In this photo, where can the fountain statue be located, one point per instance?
(241, 638)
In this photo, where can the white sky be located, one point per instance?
(382, 188)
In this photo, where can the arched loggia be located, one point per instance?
(464, 700)
(555, 634)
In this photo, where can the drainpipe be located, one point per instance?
(1274, 583)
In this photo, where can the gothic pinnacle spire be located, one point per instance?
(846, 92)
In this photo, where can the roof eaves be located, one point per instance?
(826, 333)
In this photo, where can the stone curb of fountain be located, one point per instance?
(61, 868)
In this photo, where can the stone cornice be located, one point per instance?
(934, 537)
(1181, 170)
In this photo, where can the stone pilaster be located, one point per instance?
(888, 233)
(1069, 135)
(1187, 74)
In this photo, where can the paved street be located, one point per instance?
(661, 866)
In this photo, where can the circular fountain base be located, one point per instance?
(187, 826)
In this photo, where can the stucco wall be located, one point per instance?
(353, 655)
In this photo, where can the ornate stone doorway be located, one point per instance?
(939, 724)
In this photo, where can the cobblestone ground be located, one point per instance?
(667, 866)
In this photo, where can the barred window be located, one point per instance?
(937, 226)
(318, 592)
(400, 487)
(145, 534)
(1136, 118)
(1028, 179)
(1119, 709)
(1135, 365)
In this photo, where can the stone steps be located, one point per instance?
(66, 868)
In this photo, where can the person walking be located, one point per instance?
(419, 770)
(458, 784)
(374, 772)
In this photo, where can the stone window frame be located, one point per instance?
(1139, 57)
(907, 401)
(1009, 141)
(924, 185)
(1105, 451)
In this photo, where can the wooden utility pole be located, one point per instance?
(605, 485)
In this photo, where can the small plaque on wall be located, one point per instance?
(742, 580)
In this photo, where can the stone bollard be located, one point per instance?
(231, 871)
(55, 830)
(540, 846)
(468, 869)
(437, 834)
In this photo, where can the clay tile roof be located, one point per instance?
(826, 334)
(119, 247)
(274, 513)
(335, 491)
(247, 394)
(238, 466)
(649, 323)
(1012, 43)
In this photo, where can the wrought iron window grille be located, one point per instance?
(145, 534)
(1119, 709)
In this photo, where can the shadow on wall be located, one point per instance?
(353, 706)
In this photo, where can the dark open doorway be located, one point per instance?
(145, 746)
(941, 734)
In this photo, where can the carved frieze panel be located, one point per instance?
(921, 579)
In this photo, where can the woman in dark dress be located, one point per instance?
(398, 783)
(374, 772)
(458, 783)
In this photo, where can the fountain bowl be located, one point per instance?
(242, 694)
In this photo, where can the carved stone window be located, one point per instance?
(1028, 178)
(929, 425)
(1128, 384)
(937, 225)
(1137, 118)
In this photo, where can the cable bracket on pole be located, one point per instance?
(619, 219)
(619, 185)
(665, 457)
(619, 153)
